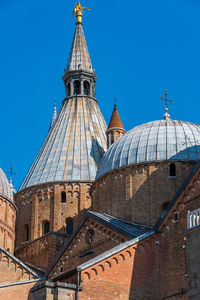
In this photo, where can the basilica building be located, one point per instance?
(103, 213)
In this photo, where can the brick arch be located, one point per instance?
(108, 263)
(115, 260)
(129, 253)
(95, 271)
(122, 257)
(86, 275)
(101, 267)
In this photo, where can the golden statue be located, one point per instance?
(78, 10)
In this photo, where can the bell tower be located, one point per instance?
(55, 193)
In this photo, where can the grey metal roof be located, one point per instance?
(79, 58)
(5, 188)
(154, 141)
(132, 228)
(73, 147)
(114, 250)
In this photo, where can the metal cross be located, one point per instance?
(165, 98)
(11, 173)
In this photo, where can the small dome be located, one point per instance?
(5, 188)
(154, 141)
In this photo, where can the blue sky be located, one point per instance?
(137, 49)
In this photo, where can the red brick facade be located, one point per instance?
(138, 193)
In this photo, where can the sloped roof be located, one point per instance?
(79, 58)
(132, 230)
(115, 121)
(164, 140)
(5, 188)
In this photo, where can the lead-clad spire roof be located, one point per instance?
(73, 147)
(79, 58)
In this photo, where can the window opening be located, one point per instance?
(26, 229)
(77, 87)
(63, 197)
(46, 227)
(69, 226)
(86, 88)
(68, 89)
(172, 170)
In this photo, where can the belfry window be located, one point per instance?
(172, 170)
(86, 86)
(26, 233)
(69, 226)
(77, 87)
(68, 90)
(46, 227)
(63, 197)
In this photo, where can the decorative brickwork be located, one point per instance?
(42, 204)
(82, 249)
(138, 193)
(7, 224)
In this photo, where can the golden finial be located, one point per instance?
(78, 10)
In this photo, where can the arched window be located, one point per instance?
(172, 170)
(86, 86)
(69, 226)
(63, 197)
(68, 90)
(26, 233)
(77, 87)
(46, 227)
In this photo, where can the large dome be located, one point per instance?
(154, 141)
(5, 189)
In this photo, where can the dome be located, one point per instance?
(5, 189)
(164, 140)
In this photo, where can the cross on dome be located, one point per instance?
(167, 100)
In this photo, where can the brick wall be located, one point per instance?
(80, 250)
(172, 244)
(7, 224)
(17, 292)
(43, 203)
(138, 193)
(128, 274)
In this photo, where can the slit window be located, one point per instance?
(68, 90)
(26, 233)
(46, 227)
(63, 197)
(69, 226)
(172, 170)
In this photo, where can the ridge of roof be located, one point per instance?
(114, 250)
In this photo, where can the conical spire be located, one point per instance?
(79, 58)
(54, 117)
(115, 121)
(76, 142)
(115, 128)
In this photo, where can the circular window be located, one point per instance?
(90, 236)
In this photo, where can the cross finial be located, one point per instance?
(167, 100)
(11, 173)
(115, 102)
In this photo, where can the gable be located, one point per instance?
(12, 270)
(92, 239)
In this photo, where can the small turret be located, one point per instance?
(115, 128)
